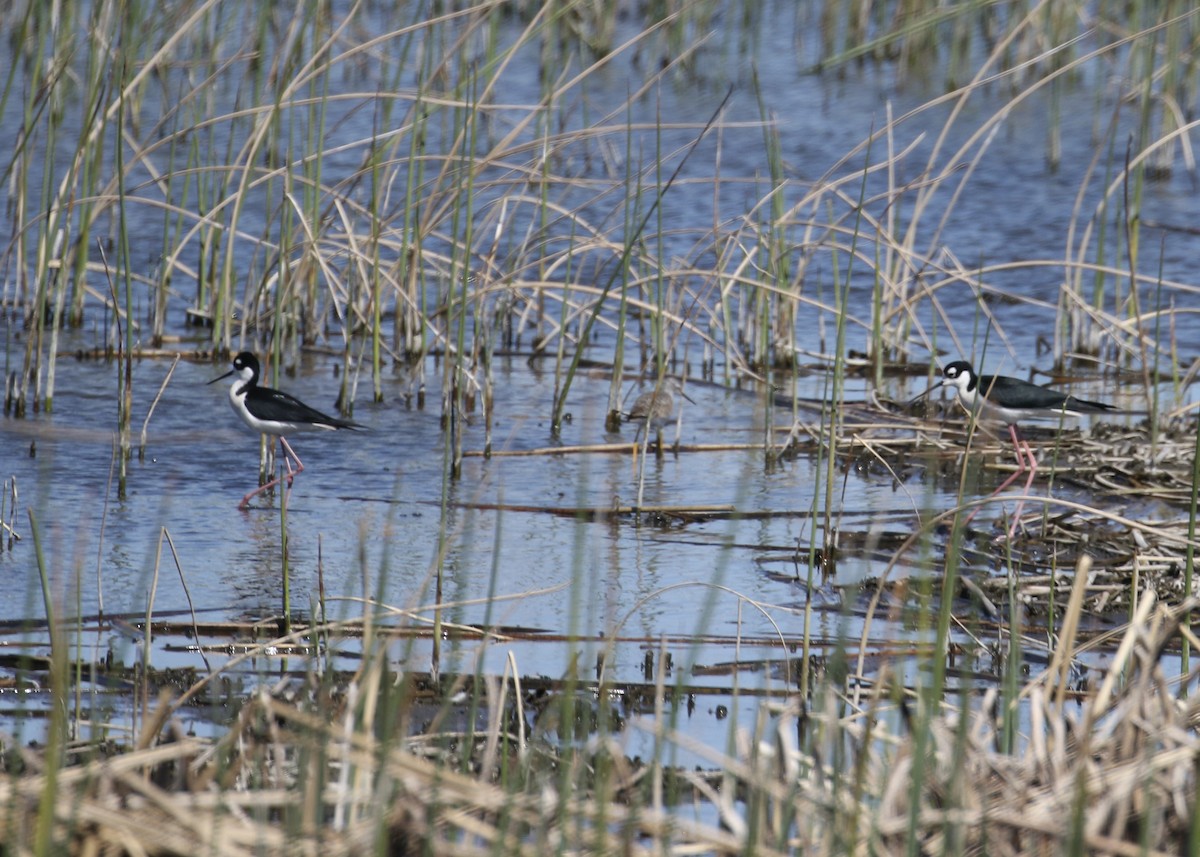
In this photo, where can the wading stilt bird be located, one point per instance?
(655, 408)
(1007, 400)
(273, 413)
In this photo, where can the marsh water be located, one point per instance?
(522, 537)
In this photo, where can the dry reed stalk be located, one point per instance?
(1124, 748)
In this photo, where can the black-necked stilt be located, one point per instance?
(273, 413)
(1008, 400)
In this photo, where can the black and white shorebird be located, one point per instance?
(1000, 398)
(274, 413)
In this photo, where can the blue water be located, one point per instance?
(376, 514)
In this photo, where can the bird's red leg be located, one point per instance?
(1026, 463)
(289, 455)
(1031, 466)
(288, 458)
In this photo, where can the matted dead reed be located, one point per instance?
(1105, 766)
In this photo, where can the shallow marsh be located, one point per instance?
(482, 238)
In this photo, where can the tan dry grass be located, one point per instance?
(301, 778)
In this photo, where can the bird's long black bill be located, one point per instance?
(223, 377)
(921, 396)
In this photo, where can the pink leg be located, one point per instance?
(1026, 463)
(1023, 464)
(289, 455)
(1031, 466)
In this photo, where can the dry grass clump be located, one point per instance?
(1106, 768)
(1118, 493)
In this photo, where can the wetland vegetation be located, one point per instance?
(512, 628)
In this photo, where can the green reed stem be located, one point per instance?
(285, 565)
(614, 393)
(560, 402)
(1189, 559)
(411, 335)
(56, 731)
(1150, 362)
(658, 322)
(781, 331)
(124, 267)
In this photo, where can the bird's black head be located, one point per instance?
(246, 360)
(960, 374)
(245, 366)
(957, 369)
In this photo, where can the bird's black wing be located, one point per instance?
(278, 406)
(1013, 392)
(1074, 404)
(1017, 393)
